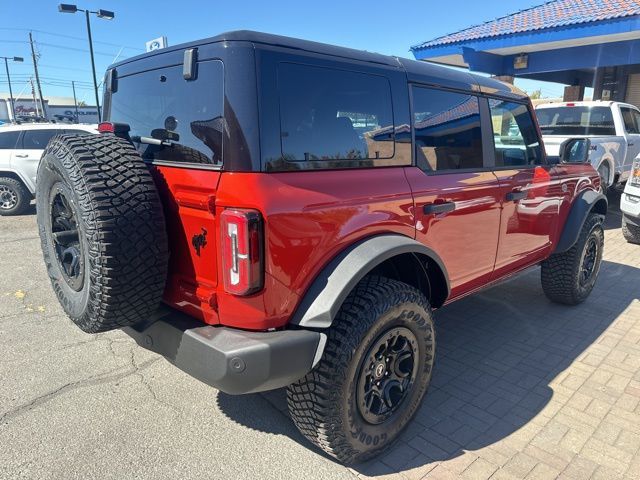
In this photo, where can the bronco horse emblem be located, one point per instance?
(199, 240)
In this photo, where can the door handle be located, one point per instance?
(516, 195)
(22, 155)
(434, 208)
(630, 144)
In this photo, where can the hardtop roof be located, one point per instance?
(417, 71)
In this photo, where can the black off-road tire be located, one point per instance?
(17, 197)
(324, 404)
(561, 272)
(112, 273)
(630, 232)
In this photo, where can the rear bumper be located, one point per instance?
(231, 360)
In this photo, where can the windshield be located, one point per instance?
(173, 119)
(580, 120)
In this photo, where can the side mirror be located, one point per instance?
(575, 150)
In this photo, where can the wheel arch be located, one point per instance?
(396, 256)
(612, 168)
(16, 176)
(585, 203)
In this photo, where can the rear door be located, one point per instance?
(177, 125)
(530, 199)
(26, 157)
(456, 195)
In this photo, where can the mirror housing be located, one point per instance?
(575, 150)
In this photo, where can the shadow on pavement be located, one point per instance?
(497, 353)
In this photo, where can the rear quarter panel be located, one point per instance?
(309, 217)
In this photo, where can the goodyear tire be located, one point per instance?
(102, 231)
(374, 372)
(569, 277)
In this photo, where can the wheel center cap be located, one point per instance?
(379, 370)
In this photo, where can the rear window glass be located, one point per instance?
(172, 119)
(8, 140)
(578, 120)
(37, 139)
(447, 130)
(328, 114)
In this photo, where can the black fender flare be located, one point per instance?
(583, 205)
(330, 288)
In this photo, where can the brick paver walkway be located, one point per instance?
(524, 388)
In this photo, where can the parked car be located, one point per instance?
(21, 147)
(630, 205)
(612, 127)
(268, 212)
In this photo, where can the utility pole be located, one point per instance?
(35, 68)
(75, 101)
(33, 94)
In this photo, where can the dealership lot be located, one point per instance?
(523, 389)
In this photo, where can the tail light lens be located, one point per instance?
(242, 251)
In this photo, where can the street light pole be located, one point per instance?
(105, 14)
(11, 99)
(93, 65)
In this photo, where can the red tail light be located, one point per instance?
(242, 251)
(106, 127)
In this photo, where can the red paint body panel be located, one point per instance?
(311, 216)
(188, 196)
(466, 238)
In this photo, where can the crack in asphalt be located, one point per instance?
(99, 379)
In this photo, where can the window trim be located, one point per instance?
(633, 119)
(347, 162)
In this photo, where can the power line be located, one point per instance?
(73, 38)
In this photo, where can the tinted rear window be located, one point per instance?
(328, 114)
(447, 130)
(188, 116)
(38, 139)
(576, 121)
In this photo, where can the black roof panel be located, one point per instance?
(417, 71)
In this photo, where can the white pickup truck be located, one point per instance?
(612, 127)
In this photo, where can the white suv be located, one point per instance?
(21, 147)
(630, 205)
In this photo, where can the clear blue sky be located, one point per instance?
(389, 27)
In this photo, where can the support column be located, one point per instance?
(573, 93)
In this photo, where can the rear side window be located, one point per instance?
(37, 139)
(576, 120)
(8, 140)
(447, 130)
(328, 114)
(171, 119)
(630, 117)
(514, 134)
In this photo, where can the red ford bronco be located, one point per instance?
(268, 212)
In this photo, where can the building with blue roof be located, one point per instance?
(579, 43)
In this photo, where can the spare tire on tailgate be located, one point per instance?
(102, 231)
